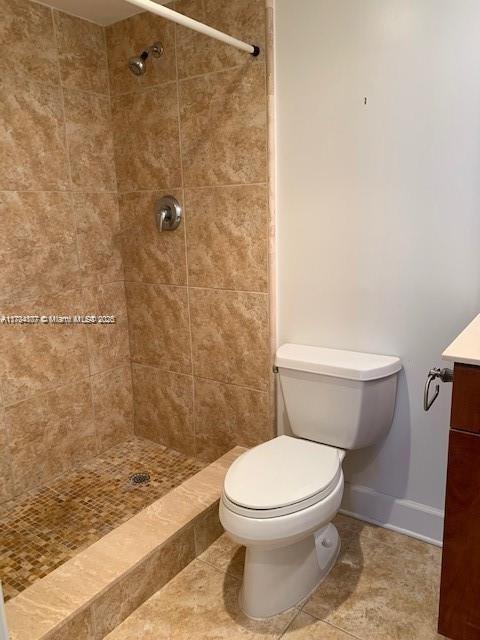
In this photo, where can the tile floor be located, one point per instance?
(42, 530)
(384, 587)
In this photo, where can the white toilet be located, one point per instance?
(279, 499)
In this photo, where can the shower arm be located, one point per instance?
(185, 21)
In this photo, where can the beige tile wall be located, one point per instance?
(65, 391)
(195, 125)
(87, 148)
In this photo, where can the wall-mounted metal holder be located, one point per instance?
(168, 213)
(445, 375)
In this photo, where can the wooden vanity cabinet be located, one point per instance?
(459, 611)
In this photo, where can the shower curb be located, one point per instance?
(91, 594)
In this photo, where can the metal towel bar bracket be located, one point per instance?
(445, 375)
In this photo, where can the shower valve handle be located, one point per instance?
(168, 213)
(161, 215)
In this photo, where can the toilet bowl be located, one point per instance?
(279, 498)
(284, 522)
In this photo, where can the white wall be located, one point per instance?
(379, 213)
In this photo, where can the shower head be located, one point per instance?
(138, 64)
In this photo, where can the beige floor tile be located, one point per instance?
(384, 587)
(226, 555)
(349, 527)
(200, 602)
(380, 591)
(305, 627)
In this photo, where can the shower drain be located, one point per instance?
(139, 478)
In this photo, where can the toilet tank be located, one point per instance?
(341, 398)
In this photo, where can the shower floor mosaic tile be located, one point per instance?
(42, 530)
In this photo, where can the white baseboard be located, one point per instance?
(404, 516)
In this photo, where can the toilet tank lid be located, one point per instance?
(352, 365)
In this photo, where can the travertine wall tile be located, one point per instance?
(50, 433)
(108, 344)
(230, 336)
(80, 627)
(57, 139)
(90, 141)
(27, 41)
(159, 327)
(225, 414)
(147, 150)
(33, 136)
(136, 587)
(113, 406)
(65, 234)
(223, 127)
(127, 39)
(37, 358)
(6, 481)
(207, 529)
(150, 256)
(164, 408)
(227, 237)
(37, 245)
(81, 53)
(98, 237)
(199, 54)
(223, 243)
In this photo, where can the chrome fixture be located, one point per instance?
(138, 64)
(445, 375)
(168, 213)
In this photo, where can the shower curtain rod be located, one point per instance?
(185, 21)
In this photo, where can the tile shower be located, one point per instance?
(184, 373)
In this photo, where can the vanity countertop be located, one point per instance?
(466, 347)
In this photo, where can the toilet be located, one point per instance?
(279, 498)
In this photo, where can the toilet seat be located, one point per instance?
(280, 477)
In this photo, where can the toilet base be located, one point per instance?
(277, 579)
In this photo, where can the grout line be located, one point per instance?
(59, 387)
(8, 461)
(190, 188)
(185, 243)
(217, 568)
(334, 626)
(234, 384)
(179, 80)
(140, 90)
(110, 370)
(198, 377)
(232, 185)
(186, 286)
(283, 633)
(162, 369)
(236, 67)
(73, 191)
(87, 91)
(107, 63)
(330, 624)
(120, 225)
(270, 163)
